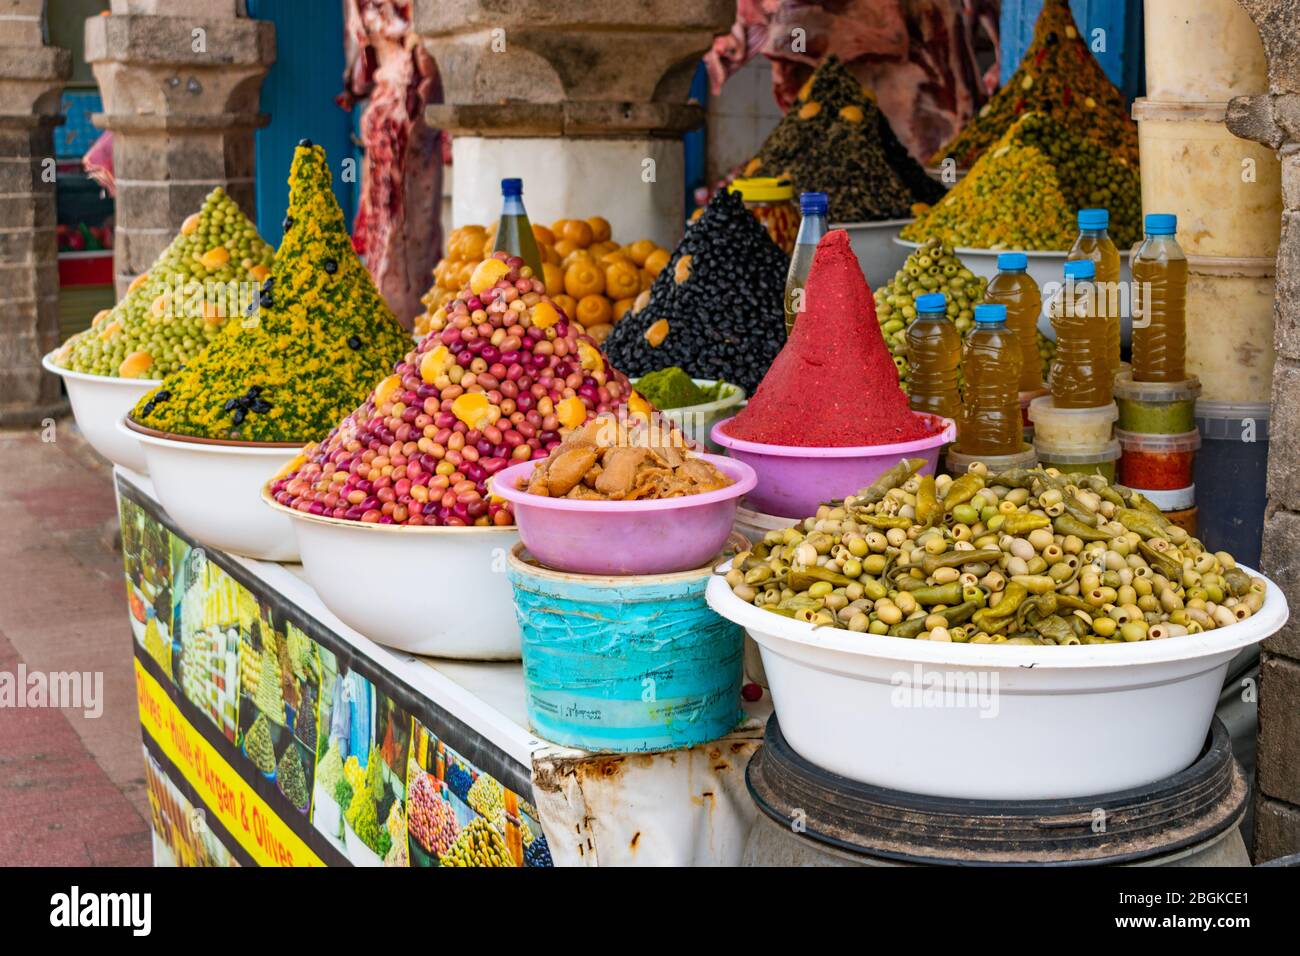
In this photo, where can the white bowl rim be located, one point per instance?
(939, 438)
(877, 224)
(741, 485)
(737, 394)
(206, 447)
(972, 251)
(1270, 618)
(47, 361)
(370, 527)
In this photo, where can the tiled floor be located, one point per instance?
(72, 788)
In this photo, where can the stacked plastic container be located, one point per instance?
(1226, 193)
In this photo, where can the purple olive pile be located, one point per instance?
(502, 377)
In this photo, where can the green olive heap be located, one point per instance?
(934, 267)
(1021, 557)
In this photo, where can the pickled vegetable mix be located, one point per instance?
(315, 340)
(1060, 77)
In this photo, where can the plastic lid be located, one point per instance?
(1159, 444)
(812, 203)
(1127, 390)
(932, 302)
(1013, 261)
(990, 312)
(1044, 409)
(1171, 499)
(1074, 456)
(1233, 421)
(1161, 224)
(1094, 218)
(763, 189)
(512, 187)
(958, 463)
(1080, 269)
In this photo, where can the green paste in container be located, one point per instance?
(673, 388)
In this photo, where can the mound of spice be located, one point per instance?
(1060, 77)
(836, 140)
(834, 384)
(502, 377)
(258, 745)
(612, 460)
(313, 344)
(1026, 191)
(208, 274)
(717, 309)
(673, 388)
(290, 777)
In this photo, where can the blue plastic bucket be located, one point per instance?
(625, 664)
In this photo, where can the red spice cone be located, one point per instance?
(834, 383)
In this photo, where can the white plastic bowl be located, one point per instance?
(98, 403)
(1043, 267)
(212, 491)
(1036, 723)
(873, 243)
(696, 421)
(440, 592)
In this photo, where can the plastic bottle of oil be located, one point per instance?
(1160, 303)
(991, 421)
(1094, 243)
(1015, 288)
(934, 354)
(1081, 372)
(514, 232)
(811, 229)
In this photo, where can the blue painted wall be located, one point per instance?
(1121, 19)
(298, 93)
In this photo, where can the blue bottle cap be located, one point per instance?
(1081, 269)
(1093, 218)
(812, 204)
(932, 302)
(1013, 261)
(1161, 223)
(512, 187)
(990, 312)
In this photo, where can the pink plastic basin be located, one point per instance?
(626, 537)
(793, 481)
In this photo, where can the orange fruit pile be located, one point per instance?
(593, 278)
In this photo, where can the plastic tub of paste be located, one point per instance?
(1088, 461)
(1156, 408)
(1157, 462)
(1071, 429)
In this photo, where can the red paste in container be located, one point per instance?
(834, 384)
(1157, 462)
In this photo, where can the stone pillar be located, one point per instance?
(1273, 118)
(31, 81)
(586, 101)
(180, 81)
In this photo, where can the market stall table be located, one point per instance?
(258, 708)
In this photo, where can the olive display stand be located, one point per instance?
(460, 722)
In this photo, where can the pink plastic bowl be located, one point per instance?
(793, 481)
(626, 537)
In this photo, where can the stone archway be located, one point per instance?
(1273, 118)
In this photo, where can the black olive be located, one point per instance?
(254, 391)
(266, 300)
(354, 343)
(238, 417)
(162, 396)
(261, 406)
(231, 404)
(331, 266)
(287, 224)
(305, 143)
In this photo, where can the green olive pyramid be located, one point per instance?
(173, 311)
(313, 343)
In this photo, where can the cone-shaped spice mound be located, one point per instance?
(836, 140)
(207, 275)
(502, 377)
(316, 341)
(1058, 76)
(1025, 192)
(290, 776)
(258, 745)
(834, 384)
(716, 310)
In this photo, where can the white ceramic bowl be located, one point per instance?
(98, 403)
(1044, 267)
(212, 491)
(873, 243)
(441, 592)
(1021, 723)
